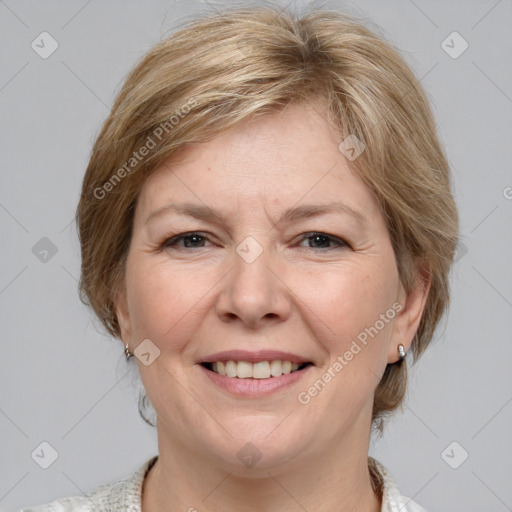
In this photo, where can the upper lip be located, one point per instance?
(254, 357)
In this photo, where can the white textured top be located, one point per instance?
(125, 496)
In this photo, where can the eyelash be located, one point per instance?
(172, 242)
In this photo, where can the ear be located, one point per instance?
(123, 313)
(408, 319)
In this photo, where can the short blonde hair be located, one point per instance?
(221, 69)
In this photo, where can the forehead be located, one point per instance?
(282, 159)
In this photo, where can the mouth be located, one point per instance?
(259, 370)
(258, 379)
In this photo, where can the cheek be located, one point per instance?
(160, 301)
(349, 302)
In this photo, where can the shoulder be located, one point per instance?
(392, 500)
(123, 495)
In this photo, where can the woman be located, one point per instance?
(266, 223)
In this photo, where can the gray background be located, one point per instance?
(64, 382)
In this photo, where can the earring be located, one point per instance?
(401, 352)
(127, 352)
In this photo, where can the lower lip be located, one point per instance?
(255, 387)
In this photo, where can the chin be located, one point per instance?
(259, 446)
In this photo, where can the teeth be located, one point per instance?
(243, 370)
(287, 366)
(260, 370)
(276, 368)
(231, 368)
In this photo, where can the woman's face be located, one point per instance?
(296, 258)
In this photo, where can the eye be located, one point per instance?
(197, 240)
(194, 239)
(322, 241)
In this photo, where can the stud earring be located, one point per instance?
(401, 351)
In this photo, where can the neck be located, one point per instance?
(336, 480)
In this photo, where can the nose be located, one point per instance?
(253, 292)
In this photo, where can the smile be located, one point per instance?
(259, 370)
(254, 380)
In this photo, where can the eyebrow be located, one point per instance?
(306, 211)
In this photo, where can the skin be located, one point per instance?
(303, 295)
